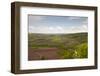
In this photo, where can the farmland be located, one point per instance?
(57, 46)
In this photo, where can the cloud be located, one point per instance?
(52, 24)
(73, 18)
(85, 27)
(57, 29)
(51, 28)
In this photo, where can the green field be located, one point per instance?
(70, 46)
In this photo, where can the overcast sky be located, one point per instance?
(57, 24)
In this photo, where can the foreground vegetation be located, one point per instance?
(70, 45)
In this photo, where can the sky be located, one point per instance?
(57, 24)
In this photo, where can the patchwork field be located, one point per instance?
(57, 46)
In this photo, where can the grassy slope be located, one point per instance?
(70, 45)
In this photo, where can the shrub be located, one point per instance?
(65, 54)
(81, 51)
(43, 58)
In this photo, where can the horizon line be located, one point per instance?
(56, 33)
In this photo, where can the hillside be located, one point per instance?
(65, 44)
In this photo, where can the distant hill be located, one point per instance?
(53, 40)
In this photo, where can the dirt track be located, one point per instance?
(42, 54)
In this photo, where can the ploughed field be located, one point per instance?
(57, 46)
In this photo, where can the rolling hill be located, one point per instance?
(68, 46)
